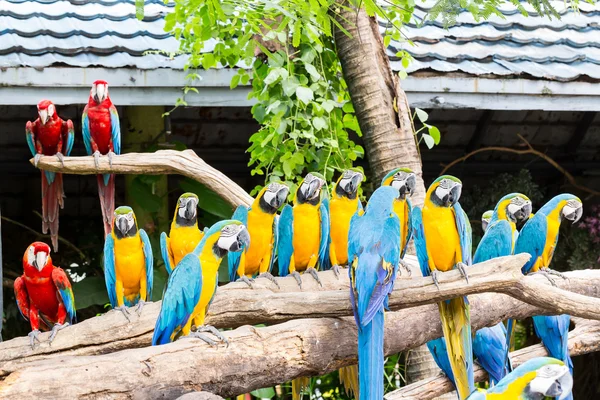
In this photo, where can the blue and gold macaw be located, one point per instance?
(489, 345)
(193, 284)
(128, 263)
(539, 238)
(304, 231)
(535, 379)
(262, 222)
(184, 235)
(486, 217)
(443, 236)
(374, 256)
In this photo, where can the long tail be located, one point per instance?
(456, 324)
(52, 202)
(106, 192)
(298, 385)
(511, 326)
(349, 378)
(370, 358)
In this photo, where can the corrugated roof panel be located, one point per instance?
(105, 33)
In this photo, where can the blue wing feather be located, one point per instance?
(85, 131)
(109, 269)
(164, 251)
(285, 248)
(325, 263)
(62, 283)
(554, 331)
(68, 137)
(496, 242)
(532, 240)
(233, 258)
(116, 129)
(149, 261)
(179, 300)
(439, 351)
(29, 135)
(489, 346)
(420, 242)
(325, 239)
(464, 233)
(275, 241)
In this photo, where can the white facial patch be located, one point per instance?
(30, 255)
(569, 209)
(397, 184)
(269, 196)
(513, 208)
(51, 110)
(442, 192)
(228, 236)
(546, 377)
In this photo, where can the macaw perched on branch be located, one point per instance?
(49, 135)
(102, 136)
(490, 346)
(304, 231)
(262, 223)
(374, 256)
(193, 284)
(44, 295)
(535, 379)
(486, 217)
(343, 205)
(128, 263)
(539, 238)
(442, 235)
(184, 233)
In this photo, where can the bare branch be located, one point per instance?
(185, 163)
(582, 340)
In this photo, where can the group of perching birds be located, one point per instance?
(318, 232)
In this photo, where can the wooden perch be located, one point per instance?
(585, 338)
(161, 162)
(235, 305)
(255, 358)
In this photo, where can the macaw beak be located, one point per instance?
(524, 212)
(280, 196)
(40, 260)
(575, 215)
(122, 225)
(43, 116)
(100, 94)
(562, 387)
(243, 240)
(314, 188)
(484, 224)
(353, 183)
(190, 209)
(453, 196)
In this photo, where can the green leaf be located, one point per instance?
(234, 81)
(428, 140)
(304, 94)
(289, 85)
(328, 105)
(275, 74)
(312, 71)
(435, 134)
(141, 192)
(208, 200)
(266, 393)
(139, 9)
(208, 60)
(422, 115)
(386, 40)
(348, 107)
(319, 123)
(297, 34)
(405, 62)
(90, 291)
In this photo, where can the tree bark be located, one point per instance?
(255, 358)
(185, 163)
(582, 340)
(235, 304)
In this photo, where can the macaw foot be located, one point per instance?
(202, 337)
(463, 270)
(55, 329)
(555, 273)
(36, 159)
(313, 272)
(336, 270)
(138, 309)
(125, 312)
(97, 159)
(547, 272)
(434, 275)
(61, 158)
(33, 336)
(269, 277)
(110, 158)
(404, 264)
(246, 280)
(296, 276)
(214, 331)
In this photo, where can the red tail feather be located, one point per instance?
(52, 200)
(107, 201)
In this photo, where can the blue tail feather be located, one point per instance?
(50, 176)
(370, 358)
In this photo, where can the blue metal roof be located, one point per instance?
(76, 33)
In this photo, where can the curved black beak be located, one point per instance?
(453, 196)
(243, 240)
(280, 196)
(575, 215)
(122, 225)
(190, 209)
(524, 212)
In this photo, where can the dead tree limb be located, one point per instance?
(161, 162)
(235, 304)
(582, 340)
(255, 358)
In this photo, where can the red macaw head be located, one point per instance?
(37, 256)
(99, 91)
(46, 111)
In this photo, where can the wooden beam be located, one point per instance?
(480, 130)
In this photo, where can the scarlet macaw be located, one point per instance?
(102, 135)
(44, 295)
(184, 233)
(374, 256)
(442, 235)
(535, 379)
(50, 135)
(539, 238)
(304, 231)
(128, 263)
(193, 284)
(262, 222)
